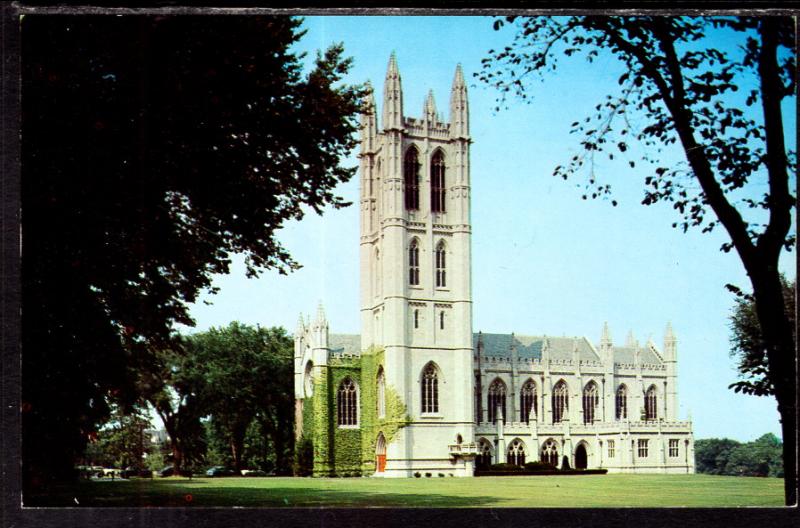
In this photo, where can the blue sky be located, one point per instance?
(544, 260)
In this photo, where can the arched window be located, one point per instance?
(441, 320)
(527, 401)
(413, 263)
(441, 272)
(497, 399)
(516, 453)
(437, 183)
(550, 452)
(484, 459)
(416, 318)
(411, 177)
(347, 403)
(650, 401)
(622, 402)
(380, 400)
(430, 389)
(308, 380)
(590, 400)
(560, 401)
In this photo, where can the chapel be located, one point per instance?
(419, 392)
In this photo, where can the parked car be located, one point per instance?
(167, 471)
(254, 473)
(132, 471)
(220, 471)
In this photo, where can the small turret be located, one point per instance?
(320, 328)
(429, 109)
(392, 97)
(630, 341)
(670, 344)
(459, 108)
(369, 122)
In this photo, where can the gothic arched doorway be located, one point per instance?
(580, 457)
(380, 454)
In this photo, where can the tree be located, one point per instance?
(175, 386)
(723, 456)
(153, 148)
(682, 84)
(711, 454)
(747, 342)
(247, 378)
(121, 442)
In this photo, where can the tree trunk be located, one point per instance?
(777, 334)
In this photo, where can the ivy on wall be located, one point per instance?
(350, 451)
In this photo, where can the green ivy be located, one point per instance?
(350, 452)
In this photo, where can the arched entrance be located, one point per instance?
(484, 458)
(380, 454)
(581, 457)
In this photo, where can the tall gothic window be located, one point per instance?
(611, 449)
(590, 400)
(478, 400)
(527, 401)
(380, 400)
(497, 398)
(560, 401)
(650, 401)
(437, 183)
(416, 318)
(347, 403)
(411, 174)
(413, 263)
(516, 453)
(441, 278)
(430, 389)
(550, 452)
(441, 320)
(622, 402)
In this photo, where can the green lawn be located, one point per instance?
(591, 491)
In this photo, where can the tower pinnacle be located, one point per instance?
(459, 108)
(392, 97)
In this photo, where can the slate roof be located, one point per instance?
(345, 343)
(626, 355)
(499, 345)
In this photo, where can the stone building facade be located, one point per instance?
(417, 391)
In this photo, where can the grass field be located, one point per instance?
(593, 491)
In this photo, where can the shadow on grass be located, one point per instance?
(148, 493)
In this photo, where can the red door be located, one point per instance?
(381, 463)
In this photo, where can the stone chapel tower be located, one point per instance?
(416, 299)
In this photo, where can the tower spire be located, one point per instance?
(459, 108)
(605, 336)
(392, 97)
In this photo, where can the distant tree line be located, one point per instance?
(723, 456)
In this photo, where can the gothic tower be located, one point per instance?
(416, 299)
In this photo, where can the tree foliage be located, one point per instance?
(248, 381)
(121, 442)
(680, 87)
(723, 456)
(748, 345)
(152, 148)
